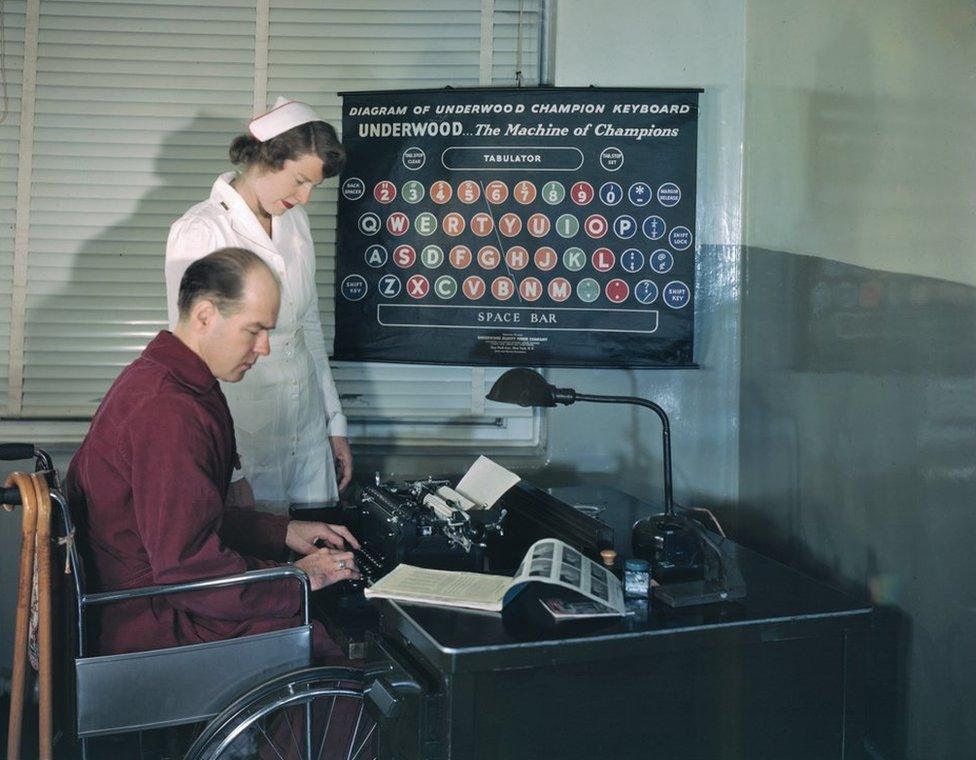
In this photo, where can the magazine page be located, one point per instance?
(554, 562)
(449, 588)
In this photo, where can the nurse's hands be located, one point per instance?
(302, 535)
(327, 566)
(342, 455)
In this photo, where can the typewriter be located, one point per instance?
(412, 522)
(409, 522)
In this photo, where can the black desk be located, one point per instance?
(778, 675)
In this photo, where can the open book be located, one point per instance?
(548, 561)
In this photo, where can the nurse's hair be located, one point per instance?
(219, 277)
(316, 138)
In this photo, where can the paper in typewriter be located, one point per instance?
(548, 561)
(482, 485)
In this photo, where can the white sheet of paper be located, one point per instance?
(485, 482)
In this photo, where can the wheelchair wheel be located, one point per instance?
(311, 714)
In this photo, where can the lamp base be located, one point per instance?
(672, 547)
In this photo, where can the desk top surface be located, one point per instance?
(781, 602)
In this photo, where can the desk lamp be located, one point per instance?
(669, 542)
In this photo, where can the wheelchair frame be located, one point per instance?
(107, 698)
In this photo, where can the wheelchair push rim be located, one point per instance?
(327, 703)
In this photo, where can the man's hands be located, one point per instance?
(328, 565)
(342, 455)
(302, 535)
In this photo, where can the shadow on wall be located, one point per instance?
(110, 281)
(858, 433)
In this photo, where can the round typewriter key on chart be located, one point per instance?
(496, 192)
(661, 261)
(503, 288)
(625, 226)
(553, 192)
(517, 258)
(460, 257)
(596, 226)
(509, 225)
(676, 294)
(385, 191)
(581, 192)
(353, 189)
(489, 257)
(404, 256)
(468, 192)
(680, 238)
(668, 194)
(354, 287)
(611, 158)
(389, 286)
(639, 194)
(369, 223)
(654, 227)
(397, 223)
(413, 191)
(473, 288)
(376, 256)
(559, 289)
(445, 287)
(524, 192)
(418, 286)
(574, 259)
(588, 290)
(645, 291)
(567, 226)
(432, 256)
(545, 258)
(482, 224)
(603, 259)
(617, 290)
(414, 158)
(452, 224)
(611, 193)
(440, 192)
(632, 260)
(538, 225)
(531, 289)
(425, 224)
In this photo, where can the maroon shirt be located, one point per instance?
(148, 485)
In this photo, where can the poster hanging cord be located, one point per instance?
(518, 47)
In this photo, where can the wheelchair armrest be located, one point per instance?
(208, 584)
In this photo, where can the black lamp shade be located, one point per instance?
(524, 387)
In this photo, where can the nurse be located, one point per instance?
(291, 433)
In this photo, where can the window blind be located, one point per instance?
(136, 104)
(12, 20)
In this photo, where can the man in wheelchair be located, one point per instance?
(152, 477)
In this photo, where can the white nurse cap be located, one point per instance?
(285, 115)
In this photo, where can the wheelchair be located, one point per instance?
(250, 697)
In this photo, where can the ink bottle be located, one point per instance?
(637, 578)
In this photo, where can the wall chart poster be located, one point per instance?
(540, 227)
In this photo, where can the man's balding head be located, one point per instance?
(228, 305)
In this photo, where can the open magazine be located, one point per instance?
(548, 561)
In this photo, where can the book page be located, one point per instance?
(444, 587)
(485, 482)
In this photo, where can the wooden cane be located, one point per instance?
(44, 671)
(28, 500)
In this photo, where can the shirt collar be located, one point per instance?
(241, 216)
(182, 362)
